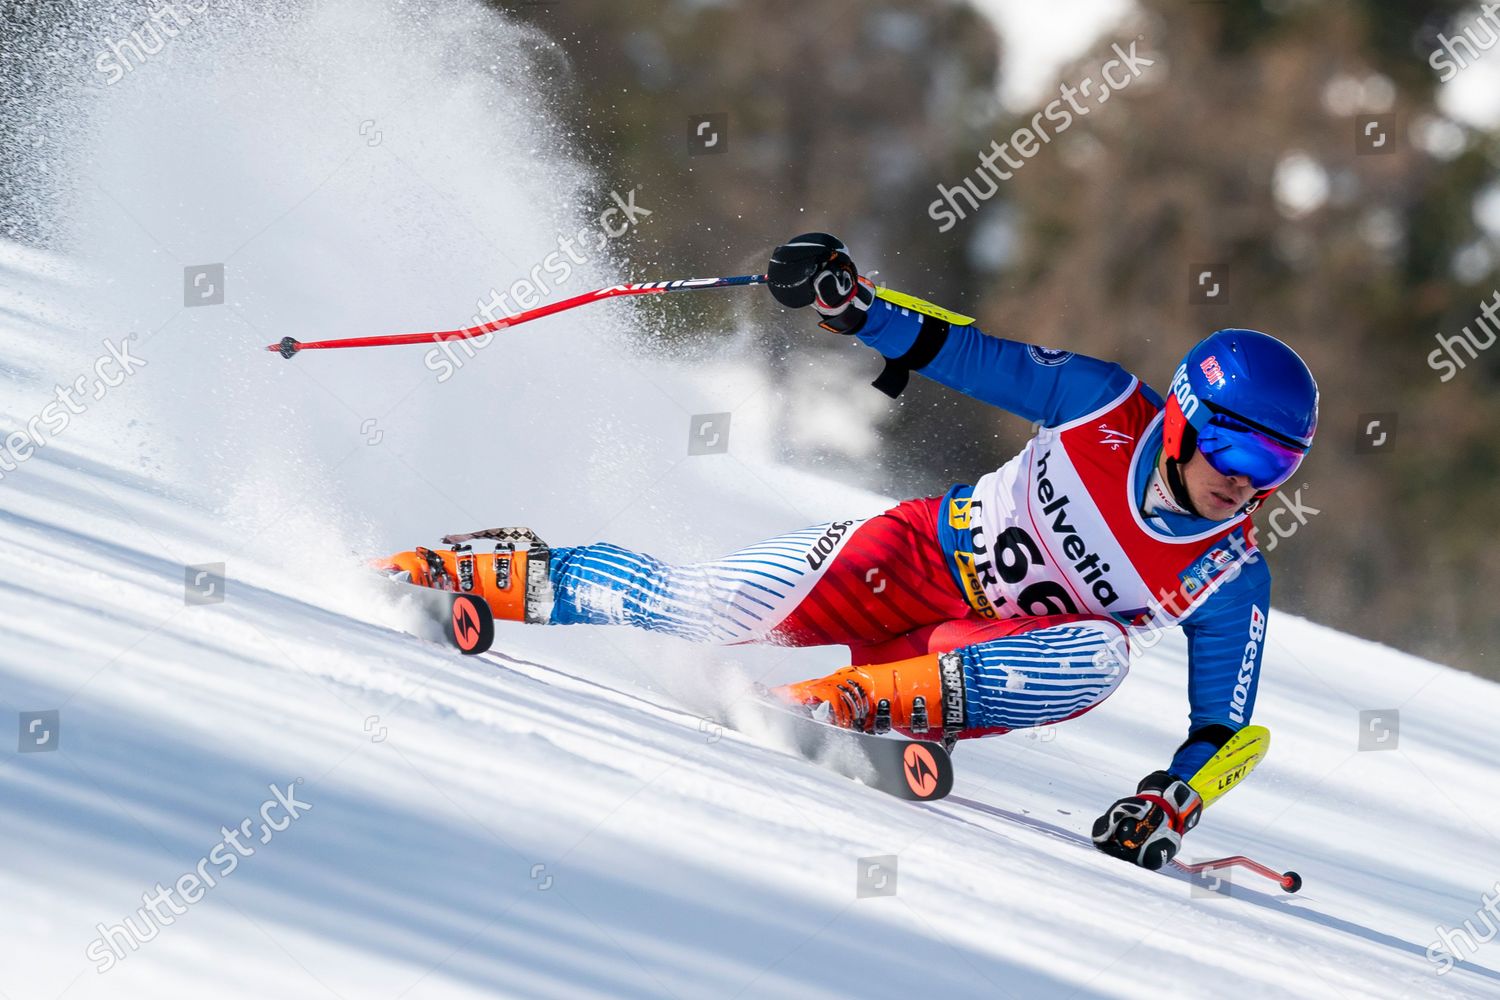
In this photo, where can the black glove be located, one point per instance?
(1146, 829)
(814, 269)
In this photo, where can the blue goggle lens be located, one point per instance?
(1234, 449)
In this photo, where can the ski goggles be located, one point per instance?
(1234, 448)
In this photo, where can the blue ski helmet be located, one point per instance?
(1248, 403)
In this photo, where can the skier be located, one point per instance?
(1003, 605)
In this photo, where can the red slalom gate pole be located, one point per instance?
(1290, 881)
(289, 346)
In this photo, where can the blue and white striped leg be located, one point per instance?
(1044, 676)
(739, 598)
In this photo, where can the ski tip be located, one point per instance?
(927, 770)
(286, 348)
(472, 623)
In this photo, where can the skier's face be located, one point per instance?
(1216, 496)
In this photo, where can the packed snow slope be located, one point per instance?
(559, 819)
(562, 818)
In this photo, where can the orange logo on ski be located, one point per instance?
(921, 770)
(465, 623)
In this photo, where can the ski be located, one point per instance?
(461, 620)
(917, 770)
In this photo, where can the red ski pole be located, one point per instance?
(290, 346)
(1290, 881)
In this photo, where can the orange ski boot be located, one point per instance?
(514, 582)
(922, 697)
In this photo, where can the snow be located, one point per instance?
(671, 858)
(561, 818)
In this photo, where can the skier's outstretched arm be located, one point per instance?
(1049, 387)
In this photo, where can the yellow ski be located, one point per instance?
(1231, 764)
(922, 306)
